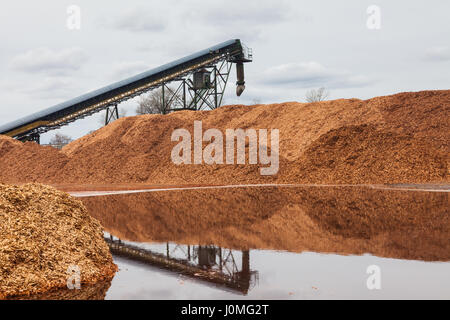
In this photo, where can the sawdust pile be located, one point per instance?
(394, 139)
(42, 233)
(364, 154)
(28, 162)
(345, 220)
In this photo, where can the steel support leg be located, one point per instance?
(163, 97)
(112, 114)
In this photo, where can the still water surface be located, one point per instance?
(293, 242)
(281, 275)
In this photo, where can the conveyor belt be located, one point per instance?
(32, 126)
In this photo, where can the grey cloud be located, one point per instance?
(246, 19)
(139, 20)
(48, 61)
(127, 69)
(50, 88)
(245, 12)
(172, 47)
(312, 74)
(329, 32)
(439, 53)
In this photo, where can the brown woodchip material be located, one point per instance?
(401, 138)
(42, 232)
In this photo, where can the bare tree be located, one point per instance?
(317, 95)
(60, 140)
(153, 103)
(256, 101)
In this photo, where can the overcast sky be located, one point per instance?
(297, 45)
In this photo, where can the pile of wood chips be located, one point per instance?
(401, 138)
(43, 232)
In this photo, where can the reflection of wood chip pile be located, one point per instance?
(42, 233)
(396, 224)
(394, 139)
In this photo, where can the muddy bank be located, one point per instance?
(401, 138)
(43, 233)
(344, 220)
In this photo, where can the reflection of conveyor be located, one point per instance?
(209, 264)
(201, 80)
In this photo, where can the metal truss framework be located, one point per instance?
(112, 114)
(35, 138)
(217, 258)
(190, 260)
(187, 97)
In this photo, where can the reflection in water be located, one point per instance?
(344, 220)
(209, 264)
(285, 275)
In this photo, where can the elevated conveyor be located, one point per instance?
(215, 62)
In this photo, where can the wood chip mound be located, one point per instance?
(43, 232)
(401, 138)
